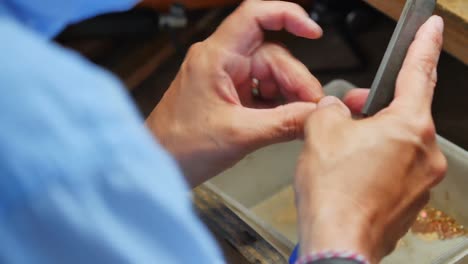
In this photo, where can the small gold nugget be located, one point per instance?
(434, 224)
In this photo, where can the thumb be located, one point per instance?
(280, 124)
(330, 102)
(330, 112)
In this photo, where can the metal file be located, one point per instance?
(414, 14)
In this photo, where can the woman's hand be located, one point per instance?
(360, 184)
(209, 118)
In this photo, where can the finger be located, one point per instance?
(418, 76)
(280, 124)
(330, 103)
(268, 89)
(268, 97)
(356, 99)
(273, 63)
(243, 30)
(245, 94)
(330, 112)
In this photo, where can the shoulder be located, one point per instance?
(65, 121)
(29, 57)
(40, 74)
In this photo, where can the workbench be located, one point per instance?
(239, 241)
(455, 15)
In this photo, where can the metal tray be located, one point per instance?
(259, 190)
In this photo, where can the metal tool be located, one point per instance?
(414, 14)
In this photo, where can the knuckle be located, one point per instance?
(195, 49)
(439, 166)
(428, 132)
(192, 59)
(201, 56)
(424, 129)
(411, 134)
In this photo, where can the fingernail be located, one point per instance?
(331, 100)
(438, 24)
(328, 100)
(319, 29)
(316, 27)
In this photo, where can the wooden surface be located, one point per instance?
(232, 231)
(455, 14)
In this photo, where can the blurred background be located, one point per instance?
(145, 47)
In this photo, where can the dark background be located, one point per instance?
(147, 57)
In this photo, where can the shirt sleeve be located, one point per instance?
(49, 17)
(82, 181)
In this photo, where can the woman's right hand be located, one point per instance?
(360, 184)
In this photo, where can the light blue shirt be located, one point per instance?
(81, 179)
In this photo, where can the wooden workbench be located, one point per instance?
(455, 14)
(239, 241)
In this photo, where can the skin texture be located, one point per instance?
(208, 118)
(360, 184)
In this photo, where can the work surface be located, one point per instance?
(455, 14)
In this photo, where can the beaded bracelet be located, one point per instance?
(332, 254)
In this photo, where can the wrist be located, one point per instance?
(165, 130)
(332, 256)
(333, 228)
(197, 156)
